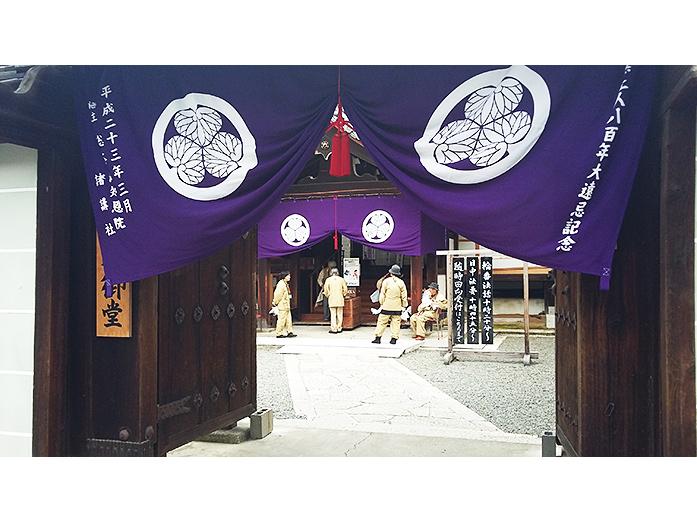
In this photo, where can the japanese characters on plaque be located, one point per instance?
(459, 300)
(472, 300)
(487, 301)
(612, 127)
(113, 305)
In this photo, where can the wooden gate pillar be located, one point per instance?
(625, 357)
(431, 262)
(677, 274)
(416, 281)
(50, 427)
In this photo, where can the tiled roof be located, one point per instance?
(12, 75)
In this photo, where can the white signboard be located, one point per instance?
(352, 271)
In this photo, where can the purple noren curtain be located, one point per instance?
(534, 162)
(182, 161)
(387, 223)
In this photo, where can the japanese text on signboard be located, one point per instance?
(113, 305)
(472, 300)
(487, 302)
(459, 300)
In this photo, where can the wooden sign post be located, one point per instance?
(455, 259)
(113, 312)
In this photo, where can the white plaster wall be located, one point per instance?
(517, 306)
(18, 167)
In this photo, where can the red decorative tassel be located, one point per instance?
(336, 232)
(341, 154)
(341, 145)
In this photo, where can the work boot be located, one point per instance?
(393, 341)
(376, 340)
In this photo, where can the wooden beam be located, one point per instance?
(493, 354)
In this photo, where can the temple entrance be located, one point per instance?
(305, 267)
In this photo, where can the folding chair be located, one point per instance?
(442, 315)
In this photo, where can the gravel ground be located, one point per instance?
(273, 391)
(516, 398)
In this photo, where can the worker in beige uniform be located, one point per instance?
(429, 308)
(281, 299)
(321, 298)
(335, 289)
(393, 300)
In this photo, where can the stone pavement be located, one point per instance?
(358, 400)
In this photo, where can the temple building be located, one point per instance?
(362, 222)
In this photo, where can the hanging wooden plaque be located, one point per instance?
(113, 312)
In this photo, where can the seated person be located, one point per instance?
(430, 306)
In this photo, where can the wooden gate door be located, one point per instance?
(566, 359)
(207, 345)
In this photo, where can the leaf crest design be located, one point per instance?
(489, 103)
(223, 154)
(378, 227)
(456, 141)
(185, 156)
(201, 147)
(489, 126)
(295, 231)
(488, 154)
(199, 125)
